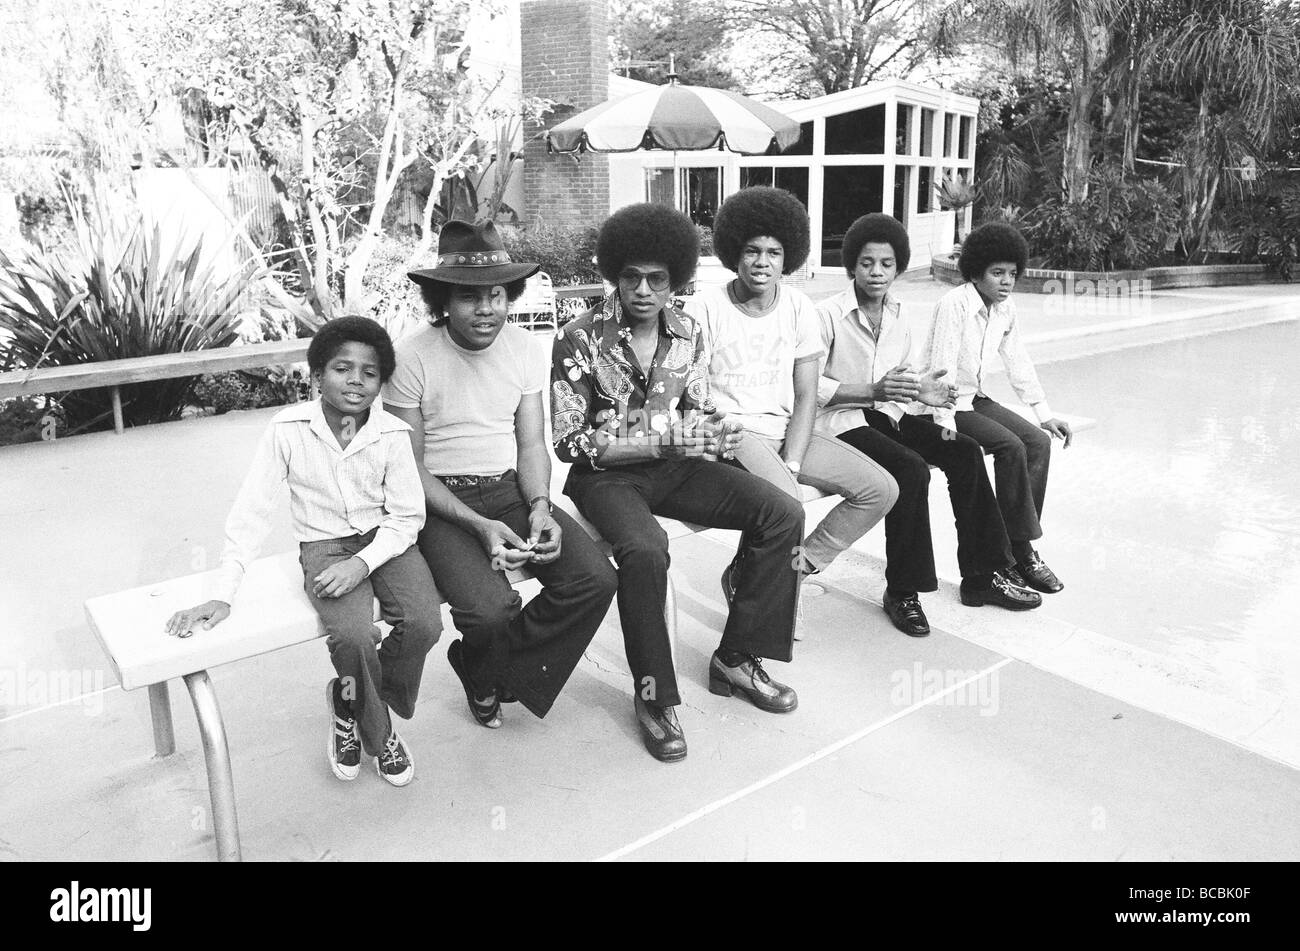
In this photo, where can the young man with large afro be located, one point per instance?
(876, 397)
(765, 345)
(630, 409)
(974, 324)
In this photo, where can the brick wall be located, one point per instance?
(565, 53)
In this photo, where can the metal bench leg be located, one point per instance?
(670, 619)
(160, 709)
(221, 784)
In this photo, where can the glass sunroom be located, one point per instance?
(882, 147)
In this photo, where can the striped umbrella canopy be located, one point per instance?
(677, 118)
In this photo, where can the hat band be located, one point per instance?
(473, 259)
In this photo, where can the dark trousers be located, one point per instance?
(529, 650)
(622, 502)
(907, 452)
(1021, 452)
(376, 680)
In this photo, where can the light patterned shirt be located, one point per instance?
(855, 355)
(333, 492)
(967, 335)
(598, 385)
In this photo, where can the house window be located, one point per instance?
(927, 132)
(924, 189)
(659, 186)
(966, 141)
(848, 192)
(805, 144)
(949, 120)
(793, 180)
(861, 132)
(698, 192)
(902, 174)
(903, 136)
(701, 193)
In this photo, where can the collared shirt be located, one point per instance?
(967, 336)
(597, 383)
(856, 355)
(333, 492)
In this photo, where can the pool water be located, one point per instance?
(1175, 523)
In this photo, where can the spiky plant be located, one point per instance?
(121, 288)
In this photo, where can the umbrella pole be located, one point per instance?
(684, 199)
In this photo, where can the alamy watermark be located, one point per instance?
(24, 687)
(1106, 297)
(960, 688)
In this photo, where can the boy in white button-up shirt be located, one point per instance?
(974, 324)
(357, 505)
(873, 395)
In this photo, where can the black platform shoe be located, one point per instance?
(660, 731)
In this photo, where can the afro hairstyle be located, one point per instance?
(759, 211)
(883, 228)
(436, 295)
(988, 244)
(648, 232)
(329, 340)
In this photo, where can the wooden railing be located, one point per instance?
(115, 374)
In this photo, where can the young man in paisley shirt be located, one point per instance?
(629, 404)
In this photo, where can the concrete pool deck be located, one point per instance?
(1034, 751)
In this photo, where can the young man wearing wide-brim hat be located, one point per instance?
(471, 386)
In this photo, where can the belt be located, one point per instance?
(459, 481)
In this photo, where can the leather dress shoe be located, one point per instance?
(1000, 592)
(660, 731)
(1038, 576)
(907, 615)
(753, 682)
(485, 708)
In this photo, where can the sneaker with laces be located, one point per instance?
(394, 762)
(344, 749)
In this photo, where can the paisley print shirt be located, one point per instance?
(597, 383)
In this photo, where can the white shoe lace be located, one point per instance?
(392, 754)
(346, 733)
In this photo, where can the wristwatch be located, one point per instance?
(541, 498)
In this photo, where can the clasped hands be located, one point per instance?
(509, 551)
(902, 385)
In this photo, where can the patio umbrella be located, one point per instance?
(676, 118)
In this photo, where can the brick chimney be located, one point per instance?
(565, 52)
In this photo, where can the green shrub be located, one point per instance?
(28, 419)
(1264, 227)
(567, 254)
(117, 290)
(251, 389)
(1123, 223)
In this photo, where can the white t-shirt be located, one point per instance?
(752, 359)
(468, 398)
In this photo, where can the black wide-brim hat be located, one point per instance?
(474, 255)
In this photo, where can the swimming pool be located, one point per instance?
(1175, 524)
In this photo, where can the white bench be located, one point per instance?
(271, 612)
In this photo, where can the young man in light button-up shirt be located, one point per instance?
(872, 395)
(974, 324)
(357, 506)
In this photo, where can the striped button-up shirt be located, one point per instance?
(333, 492)
(855, 355)
(967, 337)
